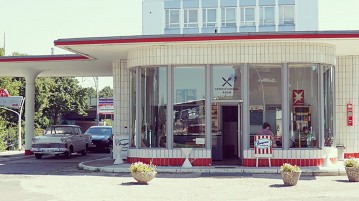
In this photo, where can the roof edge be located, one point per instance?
(207, 37)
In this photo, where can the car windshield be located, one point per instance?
(60, 130)
(99, 131)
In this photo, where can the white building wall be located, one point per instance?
(347, 91)
(306, 15)
(230, 53)
(153, 17)
(120, 126)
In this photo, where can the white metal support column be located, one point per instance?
(245, 108)
(29, 110)
(138, 108)
(208, 107)
(169, 107)
(285, 107)
(321, 106)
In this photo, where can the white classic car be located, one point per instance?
(61, 139)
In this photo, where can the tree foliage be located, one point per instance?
(66, 96)
(106, 92)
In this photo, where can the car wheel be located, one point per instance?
(38, 156)
(68, 153)
(84, 152)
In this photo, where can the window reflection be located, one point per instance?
(328, 79)
(303, 104)
(189, 107)
(153, 107)
(265, 100)
(133, 107)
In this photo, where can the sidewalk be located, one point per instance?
(106, 165)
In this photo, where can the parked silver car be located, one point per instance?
(61, 139)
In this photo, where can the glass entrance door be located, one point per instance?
(226, 149)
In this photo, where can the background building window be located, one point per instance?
(209, 17)
(191, 18)
(172, 18)
(286, 15)
(189, 107)
(266, 15)
(247, 16)
(228, 17)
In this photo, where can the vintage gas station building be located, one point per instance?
(212, 92)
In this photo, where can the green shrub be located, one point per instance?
(287, 167)
(351, 162)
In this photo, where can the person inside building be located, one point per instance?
(266, 130)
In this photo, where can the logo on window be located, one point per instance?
(229, 80)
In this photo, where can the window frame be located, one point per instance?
(262, 17)
(282, 15)
(206, 22)
(225, 22)
(168, 23)
(244, 21)
(187, 17)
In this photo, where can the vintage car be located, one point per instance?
(101, 137)
(61, 139)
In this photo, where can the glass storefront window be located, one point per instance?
(303, 105)
(153, 106)
(328, 79)
(189, 107)
(265, 100)
(133, 107)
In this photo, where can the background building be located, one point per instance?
(228, 16)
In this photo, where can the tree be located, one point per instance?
(66, 96)
(106, 92)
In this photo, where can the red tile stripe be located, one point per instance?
(42, 58)
(250, 162)
(171, 161)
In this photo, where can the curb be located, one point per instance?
(211, 170)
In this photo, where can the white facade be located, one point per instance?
(228, 16)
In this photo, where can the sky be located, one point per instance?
(31, 26)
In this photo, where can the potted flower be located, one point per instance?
(290, 174)
(142, 172)
(352, 169)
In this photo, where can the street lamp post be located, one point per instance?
(97, 112)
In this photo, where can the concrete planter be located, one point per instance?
(352, 173)
(143, 177)
(290, 178)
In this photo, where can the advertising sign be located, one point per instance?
(105, 106)
(350, 114)
(11, 102)
(263, 147)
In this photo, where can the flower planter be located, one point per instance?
(290, 178)
(143, 177)
(352, 173)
